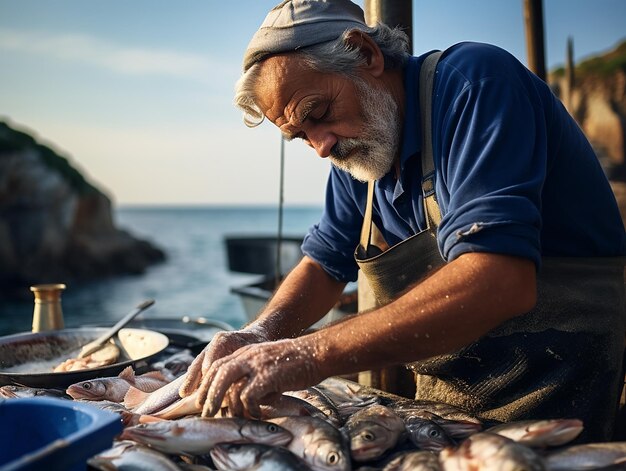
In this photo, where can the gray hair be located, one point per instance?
(338, 56)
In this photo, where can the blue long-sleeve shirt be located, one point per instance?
(514, 173)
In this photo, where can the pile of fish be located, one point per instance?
(337, 425)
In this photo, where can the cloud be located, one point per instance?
(97, 52)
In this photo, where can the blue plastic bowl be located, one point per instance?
(53, 434)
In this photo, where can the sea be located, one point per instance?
(194, 280)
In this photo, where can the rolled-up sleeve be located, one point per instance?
(493, 167)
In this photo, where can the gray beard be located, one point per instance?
(370, 156)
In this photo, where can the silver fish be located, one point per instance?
(128, 418)
(455, 429)
(144, 403)
(414, 461)
(490, 452)
(237, 457)
(373, 431)
(540, 433)
(13, 391)
(127, 455)
(347, 397)
(318, 399)
(321, 445)
(175, 365)
(196, 435)
(115, 388)
(428, 409)
(427, 435)
(588, 456)
(283, 406)
(290, 405)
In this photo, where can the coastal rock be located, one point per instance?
(54, 225)
(597, 100)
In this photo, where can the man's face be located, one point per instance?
(350, 121)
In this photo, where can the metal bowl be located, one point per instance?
(28, 359)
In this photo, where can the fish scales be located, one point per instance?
(197, 436)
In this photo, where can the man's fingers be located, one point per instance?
(251, 405)
(222, 377)
(251, 397)
(207, 380)
(202, 391)
(233, 394)
(194, 375)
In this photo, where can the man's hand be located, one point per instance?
(257, 374)
(222, 344)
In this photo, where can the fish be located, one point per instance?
(373, 431)
(174, 365)
(429, 409)
(321, 445)
(181, 407)
(347, 397)
(128, 418)
(414, 461)
(290, 405)
(284, 405)
(115, 388)
(490, 452)
(455, 429)
(144, 403)
(322, 403)
(12, 391)
(540, 433)
(256, 457)
(587, 456)
(198, 435)
(129, 455)
(427, 435)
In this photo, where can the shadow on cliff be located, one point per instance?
(54, 225)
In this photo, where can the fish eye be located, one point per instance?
(369, 436)
(433, 433)
(86, 385)
(332, 458)
(272, 428)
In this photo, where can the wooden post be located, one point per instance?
(392, 13)
(394, 379)
(569, 74)
(533, 16)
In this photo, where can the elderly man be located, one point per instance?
(479, 213)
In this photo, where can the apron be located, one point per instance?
(562, 359)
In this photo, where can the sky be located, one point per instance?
(138, 94)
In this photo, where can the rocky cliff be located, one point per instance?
(595, 94)
(596, 97)
(54, 225)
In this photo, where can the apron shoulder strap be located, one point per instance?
(433, 215)
(427, 79)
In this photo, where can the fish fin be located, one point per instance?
(148, 419)
(134, 397)
(128, 374)
(156, 375)
(182, 407)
